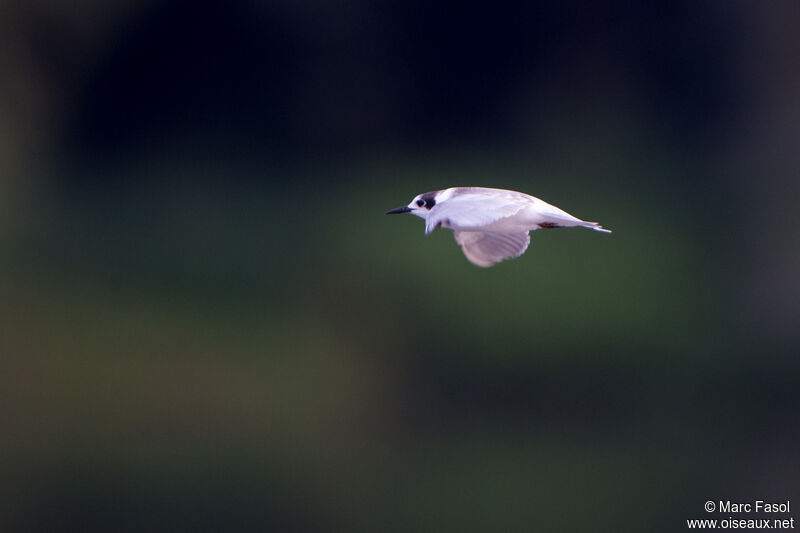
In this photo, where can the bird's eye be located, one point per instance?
(420, 203)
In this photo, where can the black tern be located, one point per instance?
(490, 225)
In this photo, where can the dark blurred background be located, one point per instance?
(206, 322)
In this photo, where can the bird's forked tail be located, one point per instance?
(595, 226)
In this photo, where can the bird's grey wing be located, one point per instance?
(476, 208)
(484, 248)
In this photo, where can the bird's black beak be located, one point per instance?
(404, 209)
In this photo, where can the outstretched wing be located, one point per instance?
(484, 248)
(475, 207)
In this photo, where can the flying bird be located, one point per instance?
(490, 225)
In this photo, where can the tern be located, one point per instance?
(490, 225)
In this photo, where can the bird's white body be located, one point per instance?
(490, 225)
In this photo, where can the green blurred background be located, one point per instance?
(206, 322)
